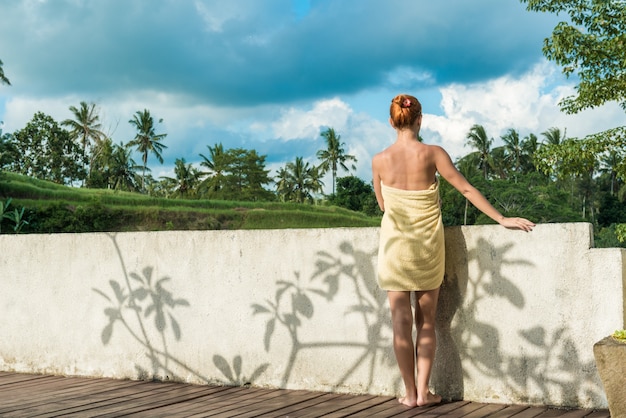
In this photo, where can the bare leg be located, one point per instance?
(426, 343)
(402, 324)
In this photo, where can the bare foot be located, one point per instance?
(406, 401)
(429, 400)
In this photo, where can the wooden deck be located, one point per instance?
(24, 395)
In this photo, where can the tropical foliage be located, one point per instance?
(46, 151)
(3, 78)
(334, 156)
(298, 181)
(591, 45)
(147, 141)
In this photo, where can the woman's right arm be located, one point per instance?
(448, 171)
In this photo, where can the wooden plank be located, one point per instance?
(358, 407)
(56, 393)
(51, 407)
(16, 379)
(577, 413)
(444, 409)
(13, 376)
(553, 412)
(389, 407)
(295, 408)
(509, 411)
(282, 399)
(181, 406)
(210, 404)
(152, 399)
(481, 410)
(336, 404)
(24, 397)
(532, 411)
(406, 412)
(204, 403)
(604, 413)
(50, 396)
(229, 402)
(464, 410)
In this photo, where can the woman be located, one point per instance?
(411, 253)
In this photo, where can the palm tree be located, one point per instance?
(146, 141)
(299, 181)
(7, 149)
(477, 138)
(123, 169)
(85, 127)
(217, 164)
(499, 162)
(553, 136)
(514, 149)
(468, 166)
(284, 188)
(530, 145)
(610, 165)
(186, 178)
(334, 155)
(101, 162)
(3, 78)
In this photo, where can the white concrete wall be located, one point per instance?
(300, 309)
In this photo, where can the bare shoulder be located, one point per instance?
(436, 149)
(438, 152)
(377, 157)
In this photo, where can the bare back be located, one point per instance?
(407, 165)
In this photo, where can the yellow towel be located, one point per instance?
(411, 253)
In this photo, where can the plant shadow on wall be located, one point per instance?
(293, 305)
(546, 367)
(140, 302)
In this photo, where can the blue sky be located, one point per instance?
(270, 75)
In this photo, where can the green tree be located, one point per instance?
(334, 156)
(500, 163)
(284, 188)
(101, 162)
(3, 78)
(609, 164)
(247, 175)
(530, 145)
(611, 212)
(591, 46)
(85, 127)
(514, 148)
(7, 149)
(44, 150)
(354, 194)
(478, 139)
(235, 174)
(299, 181)
(217, 165)
(572, 158)
(553, 136)
(123, 169)
(186, 181)
(469, 167)
(147, 140)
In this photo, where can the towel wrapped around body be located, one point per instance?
(411, 253)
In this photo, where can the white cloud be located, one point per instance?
(297, 123)
(528, 104)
